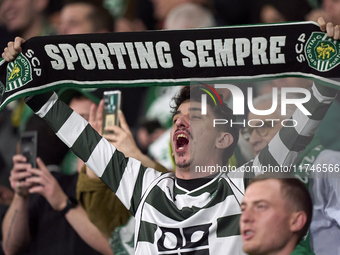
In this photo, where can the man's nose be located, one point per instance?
(183, 121)
(246, 216)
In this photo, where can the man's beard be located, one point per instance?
(184, 165)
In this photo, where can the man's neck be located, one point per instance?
(189, 174)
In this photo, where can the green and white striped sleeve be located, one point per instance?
(125, 176)
(289, 142)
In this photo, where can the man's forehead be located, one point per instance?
(190, 105)
(268, 189)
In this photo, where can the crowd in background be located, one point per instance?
(148, 119)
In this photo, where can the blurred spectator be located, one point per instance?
(189, 15)
(325, 190)
(33, 218)
(25, 18)
(79, 17)
(127, 25)
(263, 130)
(161, 8)
(131, 19)
(82, 17)
(273, 11)
(53, 11)
(330, 11)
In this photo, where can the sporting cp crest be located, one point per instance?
(322, 53)
(19, 73)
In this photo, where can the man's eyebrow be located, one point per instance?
(175, 113)
(255, 202)
(191, 109)
(195, 109)
(260, 201)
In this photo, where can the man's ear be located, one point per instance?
(224, 140)
(297, 221)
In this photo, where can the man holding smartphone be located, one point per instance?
(44, 216)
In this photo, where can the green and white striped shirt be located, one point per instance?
(170, 219)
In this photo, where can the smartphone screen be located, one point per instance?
(28, 146)
(112, 103)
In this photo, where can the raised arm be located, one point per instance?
(121, 137)
(15, 226)
(284, 148)
(98, 154)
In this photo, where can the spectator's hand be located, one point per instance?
(19, 175)
(13, 49)
(6, 195)
(43, 183)
(333, 31)
(96, 116)
(122, 138)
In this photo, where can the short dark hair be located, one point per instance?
(294, 192)
(100, 17)
(221, 111)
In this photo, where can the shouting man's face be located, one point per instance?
(194, 140)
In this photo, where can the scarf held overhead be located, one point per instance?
(172, 57)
